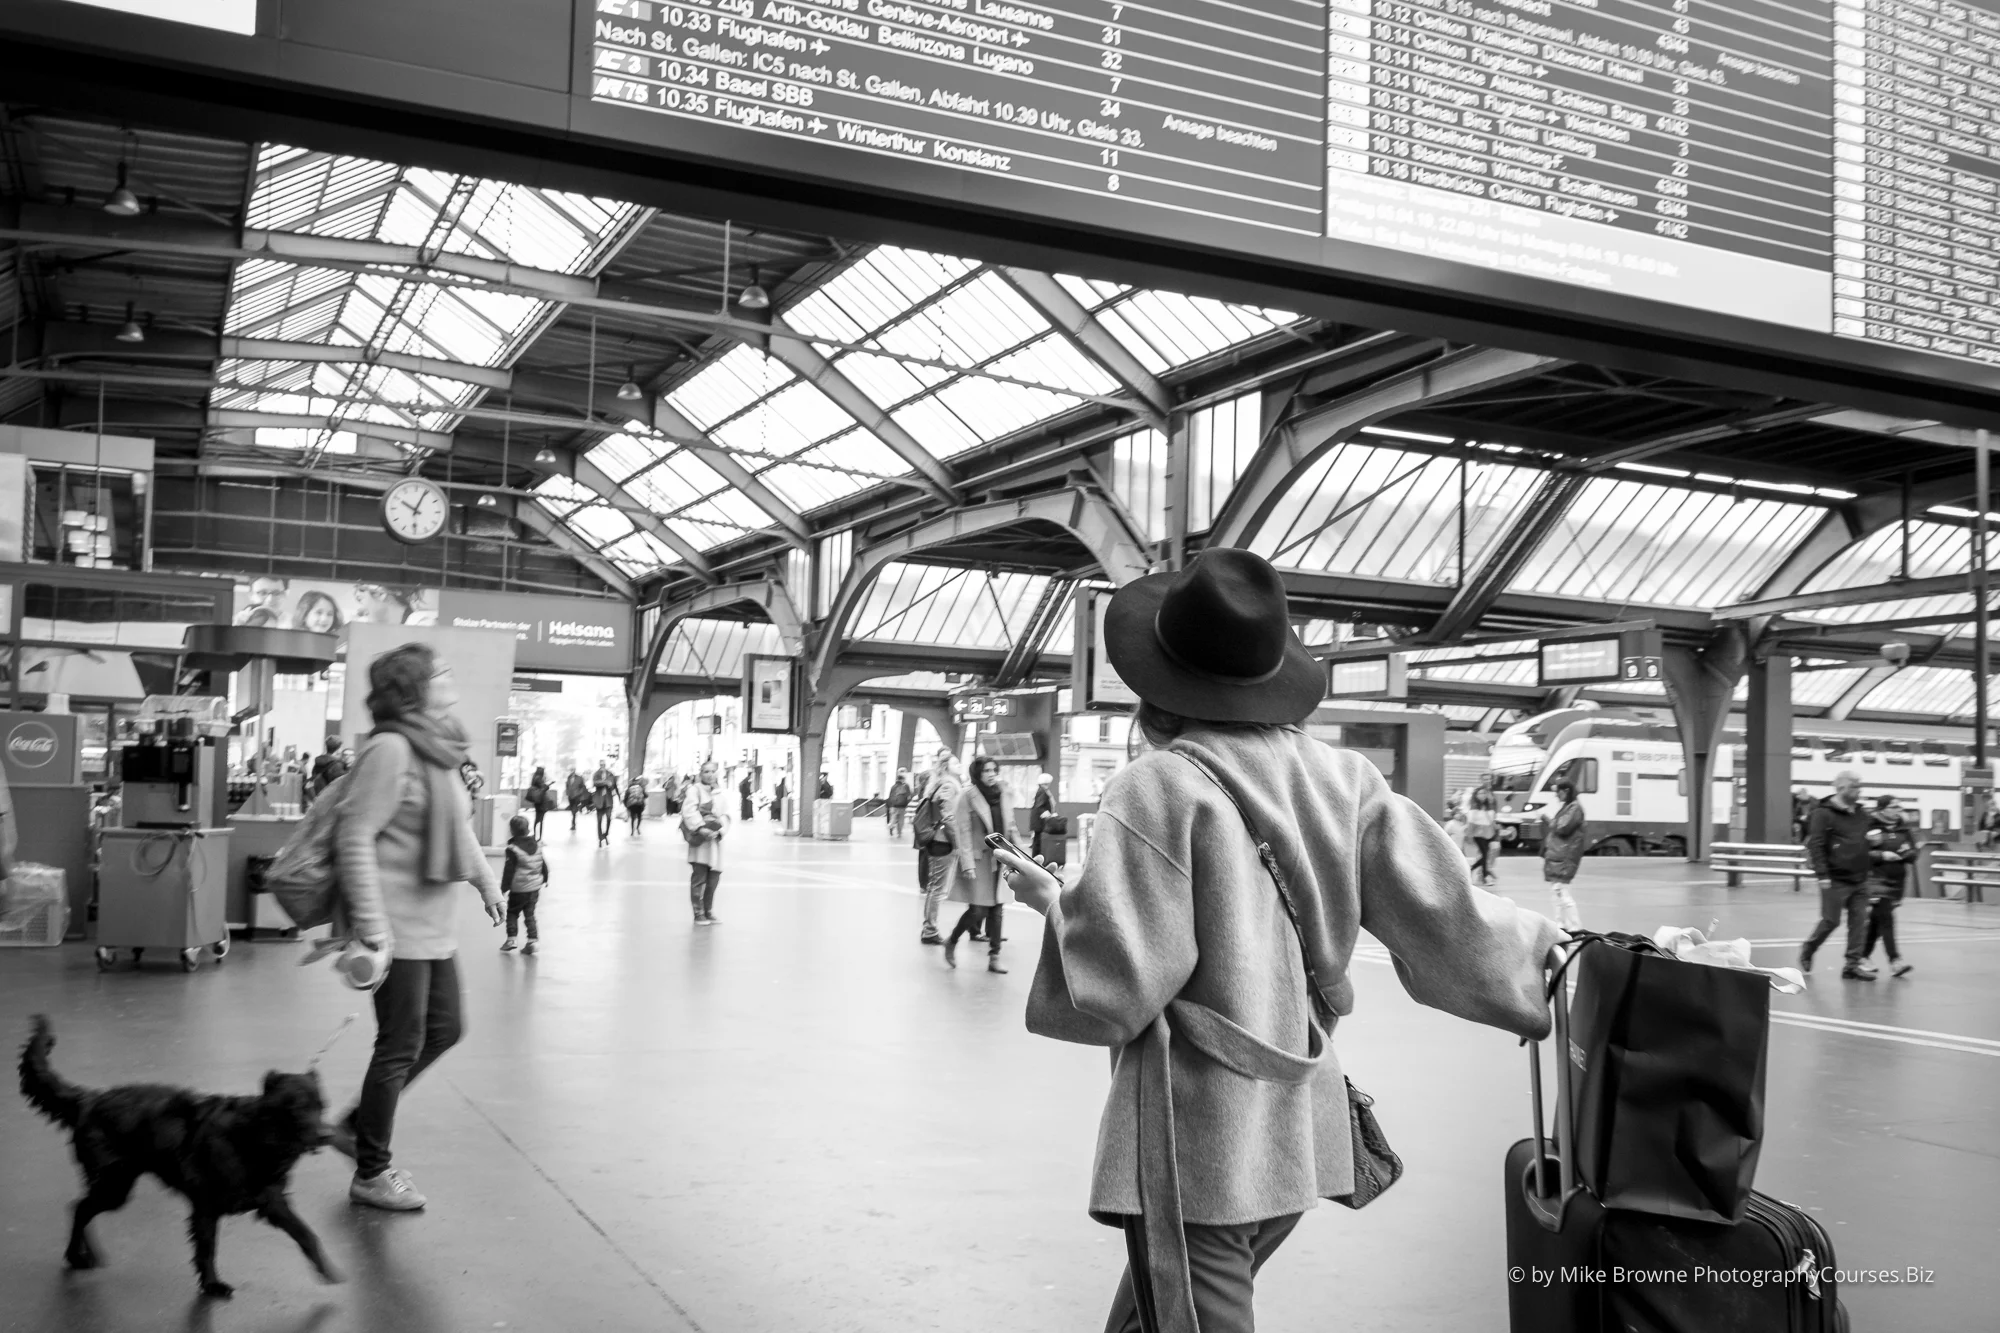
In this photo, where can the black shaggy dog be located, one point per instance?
(225, 1154)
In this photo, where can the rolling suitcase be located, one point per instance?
(1578, 1267)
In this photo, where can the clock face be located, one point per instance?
(414, 511)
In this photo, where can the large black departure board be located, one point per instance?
(1827, 165)
(1818, 180)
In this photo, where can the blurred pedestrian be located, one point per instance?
(978, 811)
(1563, 844)
(1482, 826)
(1892, 849)
(577, 793)
(931, 830)
(898, 803)
(541, 798)
(1837, 848)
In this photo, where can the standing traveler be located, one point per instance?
(978, 811)
(898, 803)
(1563, 844)
(522, 880)
(1228, 1116)
(541, 798)
(1482, 826)
(635, 801)
(825, 789)
(1048, 826)
(405, 846)
(1892, 848)
(577, 793)
(778, 802)
(1837, 848)
(603, 798)
(327, 769)
(1456, 828)
(703, 824)
(746, 789)
(931, 830)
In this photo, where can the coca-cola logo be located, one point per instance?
(32, 745)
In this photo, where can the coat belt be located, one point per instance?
(1236, 1049)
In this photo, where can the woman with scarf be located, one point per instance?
(406, 849)
(979, 810)
(541, 799)
(1215, 981)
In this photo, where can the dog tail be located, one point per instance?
(46, 1090)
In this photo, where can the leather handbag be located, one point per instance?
(1376, 1165)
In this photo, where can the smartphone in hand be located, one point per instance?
(1000, 842)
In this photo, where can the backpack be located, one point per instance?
(929, 829)
(304, 877)
(634, 795)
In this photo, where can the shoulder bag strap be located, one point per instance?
(1315, 994)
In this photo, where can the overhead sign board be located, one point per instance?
(581, 634)
(1629, 655)
(1805, 177)
(1385, 677)
(1094, 682)
(980, 707)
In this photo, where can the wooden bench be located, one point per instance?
(1972, 877)
(1737, 859)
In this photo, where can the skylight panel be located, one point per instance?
(1054, 361)
(886, 380)
(1935, 549)
(1089, 292)
(729, 384)
(937, 427)
(622, 455)
(991, 409)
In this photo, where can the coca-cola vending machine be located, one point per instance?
(42, 757)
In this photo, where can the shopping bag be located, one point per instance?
(1669, 1062)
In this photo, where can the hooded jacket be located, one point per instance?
(1837, 842)
(1173, 902)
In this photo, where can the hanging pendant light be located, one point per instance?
(486, 500)
(629, 391)
(121, 202)
(131, 332)
(546, 457)
(754, 297)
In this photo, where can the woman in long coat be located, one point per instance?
(577, 792)
(1562, 854)
(979, 810)
(1228, 1112)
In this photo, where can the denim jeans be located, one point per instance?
(417, 1019)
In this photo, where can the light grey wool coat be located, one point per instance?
(977, 878)
(1173, 902)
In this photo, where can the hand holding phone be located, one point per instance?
(1000, 842)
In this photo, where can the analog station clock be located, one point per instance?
(414, 510)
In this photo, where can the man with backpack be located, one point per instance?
(327, 769)
(930, 828)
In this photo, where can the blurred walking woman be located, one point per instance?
(1216, 975)
(406, 848)
(978, 811)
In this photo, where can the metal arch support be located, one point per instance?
(589, 474)
(1483, 586)
(532, 514)
(1297, 446)
(1700, 685)
(796, 351)
(1850, 698)
(769, 594)
(1082, 512)
(1052, 301)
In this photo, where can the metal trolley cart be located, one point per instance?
(163, 889)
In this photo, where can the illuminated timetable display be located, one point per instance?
(1579, 661)
(1832, 166)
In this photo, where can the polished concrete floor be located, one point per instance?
(800, 1120)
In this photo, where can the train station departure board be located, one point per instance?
(1827, 165)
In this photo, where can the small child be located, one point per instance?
(525, 875)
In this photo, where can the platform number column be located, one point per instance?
(1111, 63)
(1850, 167)
(1348, 53)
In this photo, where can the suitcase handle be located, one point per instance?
(1534, 1181)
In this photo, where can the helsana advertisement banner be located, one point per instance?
(551, 633)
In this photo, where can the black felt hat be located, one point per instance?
(1213, 642)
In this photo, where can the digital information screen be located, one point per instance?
(1831, 166)
(1369, 678)
(1580, 661)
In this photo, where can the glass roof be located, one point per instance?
(302, 191)
(1819, 689)
(1634, 542)
(1933, 691)
(963, 608)
(714, 649)
(1935, 549)
(1364, 509)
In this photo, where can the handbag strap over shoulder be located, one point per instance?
(1315, 993)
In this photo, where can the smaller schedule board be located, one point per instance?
(1385, 677)
(1628, 654)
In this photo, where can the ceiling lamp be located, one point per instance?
(754, 297)
(486, 500)
(131, 332)
(546, 456)
(121, 202)
(629, 391)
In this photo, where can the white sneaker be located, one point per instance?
(392, 1190)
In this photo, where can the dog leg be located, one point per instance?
(277, 1210)
(109, 1188)
(201, 1230)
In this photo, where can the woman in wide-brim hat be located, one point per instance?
(1176, 938)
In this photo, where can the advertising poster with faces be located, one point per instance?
(326, 607)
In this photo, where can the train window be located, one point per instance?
(1624, 793)
(1933, 753)
(1898, 752)
(1579, 773)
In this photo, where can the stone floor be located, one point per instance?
(801, 1120)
